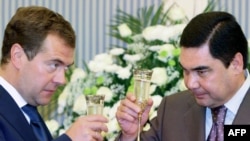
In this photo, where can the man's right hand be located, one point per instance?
(127, 117)
(88, 128)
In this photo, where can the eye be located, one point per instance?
(54, 66)
(202, 72)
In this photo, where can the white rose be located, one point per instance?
(62, 100)
(112, 68)
(124, 73)
(153, 32)
(100, 62)
(132, 58)
(78, 73)
(152, 89)
(168, 49)
(124, 30)
(80, 105)
(163, 33)
(95, 66)
(159, 76)
(137, 38)
(113, 110)
(105, 91)
(176, 13)
(153, 114)
(62, 131)
(157, 101)
(52, 125)
(116, 51)
(155, 48)
(182, 85)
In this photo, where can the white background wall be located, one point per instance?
(90, 18)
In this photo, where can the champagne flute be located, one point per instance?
(95, 104)
(142, 79)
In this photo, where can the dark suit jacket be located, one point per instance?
(180, 118)
(13, 124)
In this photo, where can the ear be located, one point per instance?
(237, 62)
(16, 55)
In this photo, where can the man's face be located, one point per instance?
(210, 81)
(40, 77)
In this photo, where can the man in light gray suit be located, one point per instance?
(214, 58)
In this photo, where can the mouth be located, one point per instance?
(199, 95)
(50, 91)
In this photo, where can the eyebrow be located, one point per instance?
(61, 62)
(196, 68)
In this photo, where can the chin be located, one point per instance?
(202, 102)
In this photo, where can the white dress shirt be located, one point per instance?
(14, 94)
(232, 105)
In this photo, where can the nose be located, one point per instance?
(191, 81)
(60, 77)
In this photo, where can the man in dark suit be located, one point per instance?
(37, 49)
(214, 58)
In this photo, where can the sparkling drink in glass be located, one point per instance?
(142, 79)
(95, 104)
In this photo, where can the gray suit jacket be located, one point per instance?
(180, 118)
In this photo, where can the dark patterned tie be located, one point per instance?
(36, 122)
(217, 130)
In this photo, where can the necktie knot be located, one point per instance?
(32, 112)
(218, 114)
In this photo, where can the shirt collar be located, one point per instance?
(12, 92)
(234, 103)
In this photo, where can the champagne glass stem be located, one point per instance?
(139, 127)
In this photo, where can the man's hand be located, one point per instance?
(127, 117)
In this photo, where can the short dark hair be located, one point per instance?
(222, 33)
(30, 26)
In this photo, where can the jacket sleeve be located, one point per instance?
(63, 137)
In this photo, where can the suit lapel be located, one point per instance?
(17, 120)
(194, 120)
(243, 115)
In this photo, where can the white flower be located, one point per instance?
(124, 30)
(182, 85)
(153, 32)
(132, 58)
(124, 73)
(163, 33)
(165, 51)
(62, 100)
(78, 73)
(61, 131)
(112, 68)
(105, 91)
(152, 89)
(159, 76)
(157, 100)
(113, 110)
(153, 114)
(137, 38)
(116, 51)
(100, 62)
(176, 13)
(155, 48)
(80, 105)
(52, 125)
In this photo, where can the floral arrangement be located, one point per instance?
(150, 41)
